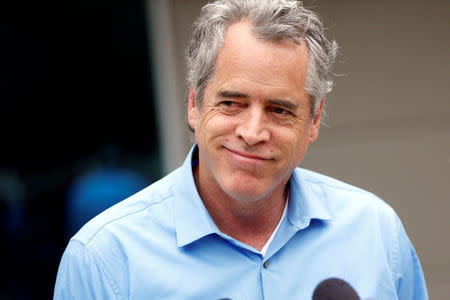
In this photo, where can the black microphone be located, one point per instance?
(334, 289)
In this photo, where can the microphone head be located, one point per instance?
(334, 289)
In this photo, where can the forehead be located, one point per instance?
(245, 60)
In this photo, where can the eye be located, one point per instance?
(230, 106)
(279, 110)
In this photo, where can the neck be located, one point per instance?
(249, 222)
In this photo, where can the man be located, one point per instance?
(238, 220)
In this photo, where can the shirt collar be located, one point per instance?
(191, 218)
(193, 221)
(305, 204)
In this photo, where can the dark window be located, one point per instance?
(76, 95)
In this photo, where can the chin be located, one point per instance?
(246, 192)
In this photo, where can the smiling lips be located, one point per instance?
(247, 156)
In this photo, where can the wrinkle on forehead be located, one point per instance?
(273, 62)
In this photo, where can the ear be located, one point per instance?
(192, 109)
(316, 124)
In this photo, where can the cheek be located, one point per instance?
(302, 129)
(292, 141)
(211, 124)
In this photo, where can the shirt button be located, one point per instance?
(266, 264)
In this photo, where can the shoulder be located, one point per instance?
(100, 251)
(362, 214)
(136, 209)
(354, 209)
(351, 207)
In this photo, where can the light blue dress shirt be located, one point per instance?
(161, 243)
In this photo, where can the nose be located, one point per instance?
(253, 127)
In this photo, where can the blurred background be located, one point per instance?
(92, 110)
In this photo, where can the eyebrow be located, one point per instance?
(232, 94)
(280, 102)
(284, 103)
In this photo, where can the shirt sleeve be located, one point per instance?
(410, 278)
(81, 277)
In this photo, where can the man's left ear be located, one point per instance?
(316, 124)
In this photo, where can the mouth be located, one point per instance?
(246, 155)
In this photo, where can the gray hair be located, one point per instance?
(270, 20)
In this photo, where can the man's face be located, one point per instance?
(254, 125)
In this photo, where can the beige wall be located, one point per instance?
(389, 114)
